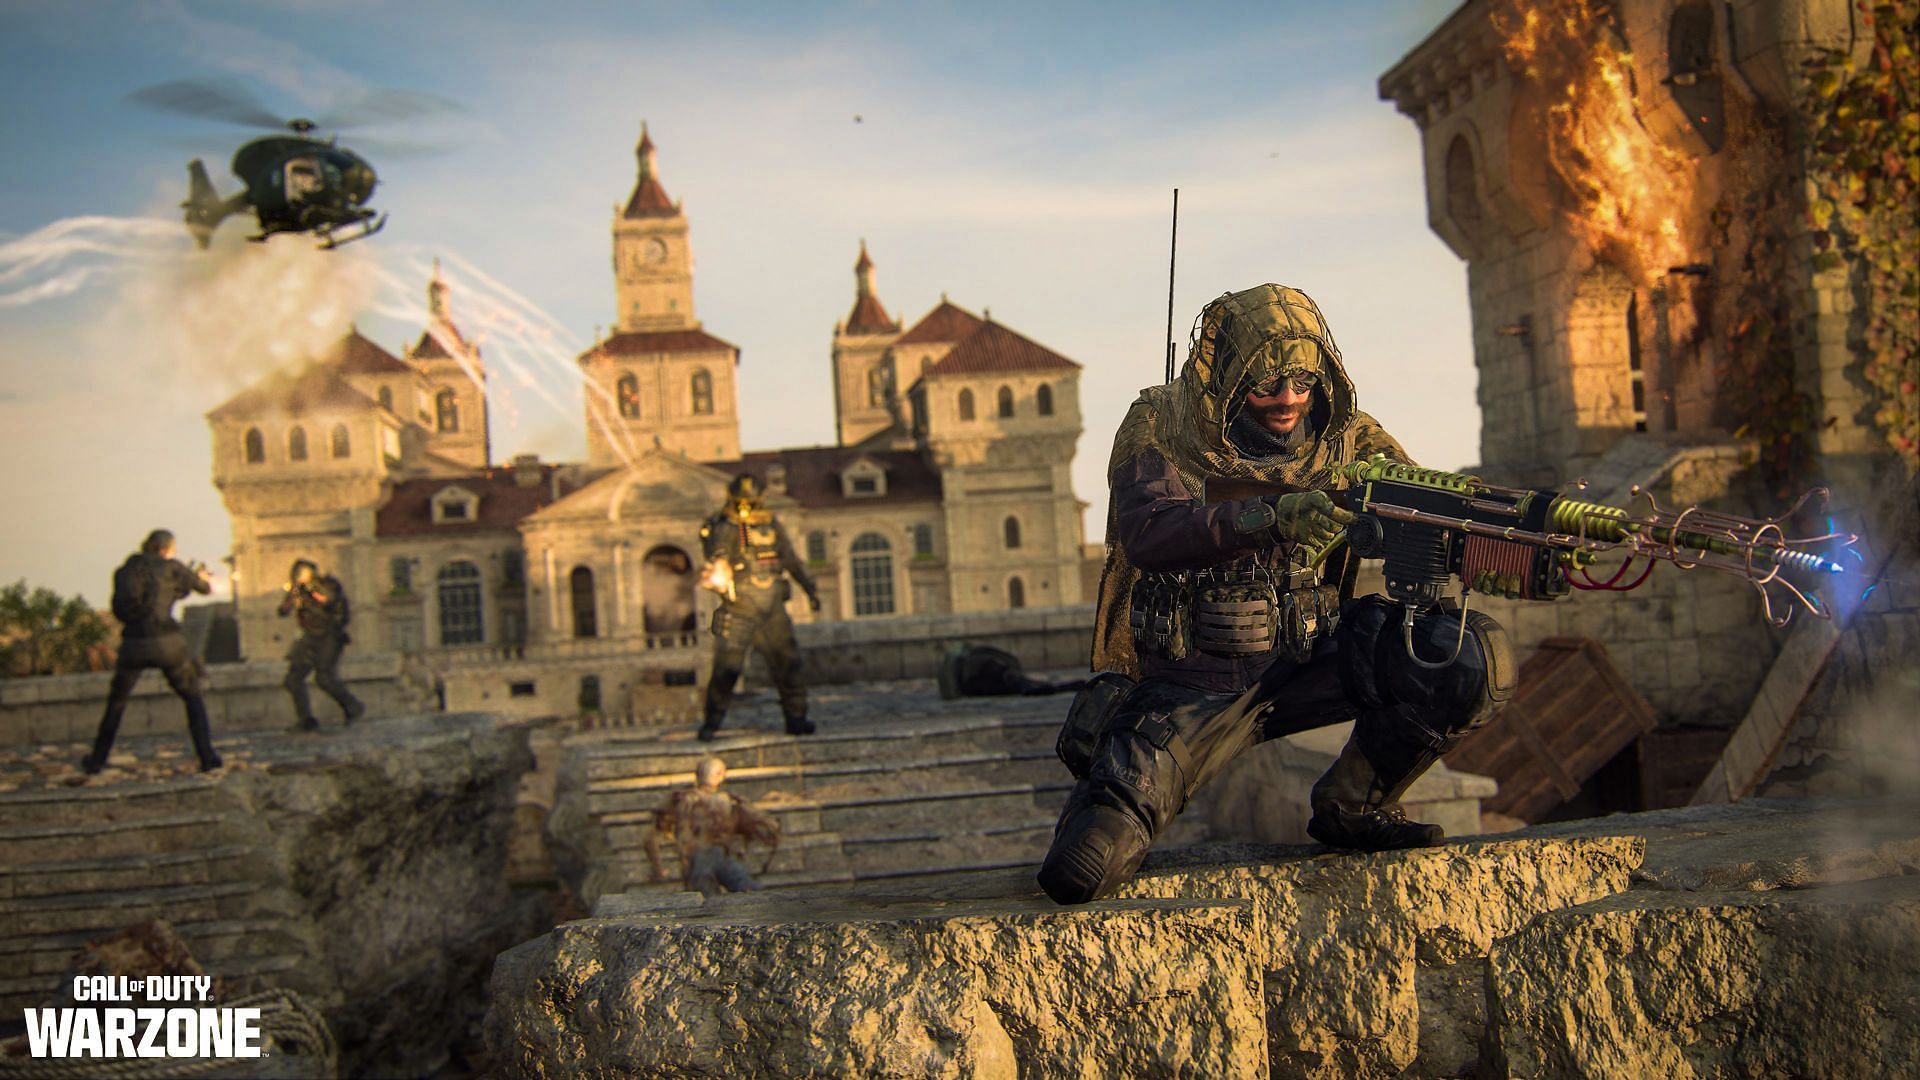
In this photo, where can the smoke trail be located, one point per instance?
(239, 311)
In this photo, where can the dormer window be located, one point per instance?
(864, 479)
(455, 506)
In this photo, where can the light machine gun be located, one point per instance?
(1427, 526)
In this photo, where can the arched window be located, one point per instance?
(386, 398)
(256, 446)
(627, 393)
(584, 623)
(1463, 189)
(460, 618)
(446, 411)
(1016, 593)
(666, 591)
(1005, 398)
(877, 386)
(1043, 400)
(702, 393)
(870, 564)
(342, 444)
(966, 404)
(1010, 530)
(297, 444)
(589, 693)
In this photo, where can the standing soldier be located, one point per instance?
(145, 588)
(747, 553)
(319, 602)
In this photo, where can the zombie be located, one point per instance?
(318, 602)
(145, 588)
(1216, 628)
(710, 829)
(748, 557)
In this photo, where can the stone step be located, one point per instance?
(615, 756)
(113, 874)
(819, 853)
(929, 852)
(109, 912)
(983, 807)
(211, 939)
(54, 842)
(120, 800)
(847, 780)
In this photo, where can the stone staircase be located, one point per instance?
(896, 783)
(81, 863)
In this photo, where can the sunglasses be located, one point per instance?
(1301, 382)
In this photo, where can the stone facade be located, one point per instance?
(536, 587)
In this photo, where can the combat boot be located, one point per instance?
(1384, 829)
(799, 725)
(1095, 849)
(1356, 808)
(307, 725)
(710, 728)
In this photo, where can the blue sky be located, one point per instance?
(1017, 157)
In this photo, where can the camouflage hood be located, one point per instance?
(1241, 339)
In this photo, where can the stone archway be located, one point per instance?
(666, 591)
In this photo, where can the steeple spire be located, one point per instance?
(437, 295)
(649, 198)
(868, 316)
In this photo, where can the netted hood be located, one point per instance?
(1241, 339)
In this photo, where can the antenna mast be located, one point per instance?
(1173, 246)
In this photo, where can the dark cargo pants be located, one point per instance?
(318, 655)
(1166, 740)
(170, 654)
(743, 625)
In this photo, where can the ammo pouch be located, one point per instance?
(1158, 616)
(1093, 705)
(1243, 611)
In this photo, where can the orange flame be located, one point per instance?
(1629, 192)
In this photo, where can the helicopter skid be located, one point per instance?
(358, 230)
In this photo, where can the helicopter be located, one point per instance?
(295, 181)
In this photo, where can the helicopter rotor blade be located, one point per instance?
(207, 99)
(385, 106)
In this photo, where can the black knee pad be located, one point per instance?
(1377, 673)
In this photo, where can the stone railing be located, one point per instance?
(911, 646)
(247, 696)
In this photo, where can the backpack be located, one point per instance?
(135, 586)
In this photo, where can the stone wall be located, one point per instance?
(1668, 944)
(246, 696)
(911, 647)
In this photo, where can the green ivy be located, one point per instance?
(1863, 161)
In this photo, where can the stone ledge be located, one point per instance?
(880, 986)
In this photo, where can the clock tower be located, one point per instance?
(652, 259)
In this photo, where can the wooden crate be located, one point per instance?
(1570, 715)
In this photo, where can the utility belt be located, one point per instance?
(1241, 609)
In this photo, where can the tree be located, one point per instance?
(43, 633)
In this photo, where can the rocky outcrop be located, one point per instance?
(1666, 944)
(361, 870)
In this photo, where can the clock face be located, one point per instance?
(654, 252)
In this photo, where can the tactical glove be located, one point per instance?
(813, 601)
(1300, 517)
(1507, 585)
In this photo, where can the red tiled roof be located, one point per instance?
(355, 355)
(947, 322)
(659, 341)
(813, 474)
(317, 388)
(995, 348)
(429, 347)
(649, 200)
(868, 317)
(503, 502)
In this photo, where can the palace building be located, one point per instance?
(947, 489)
